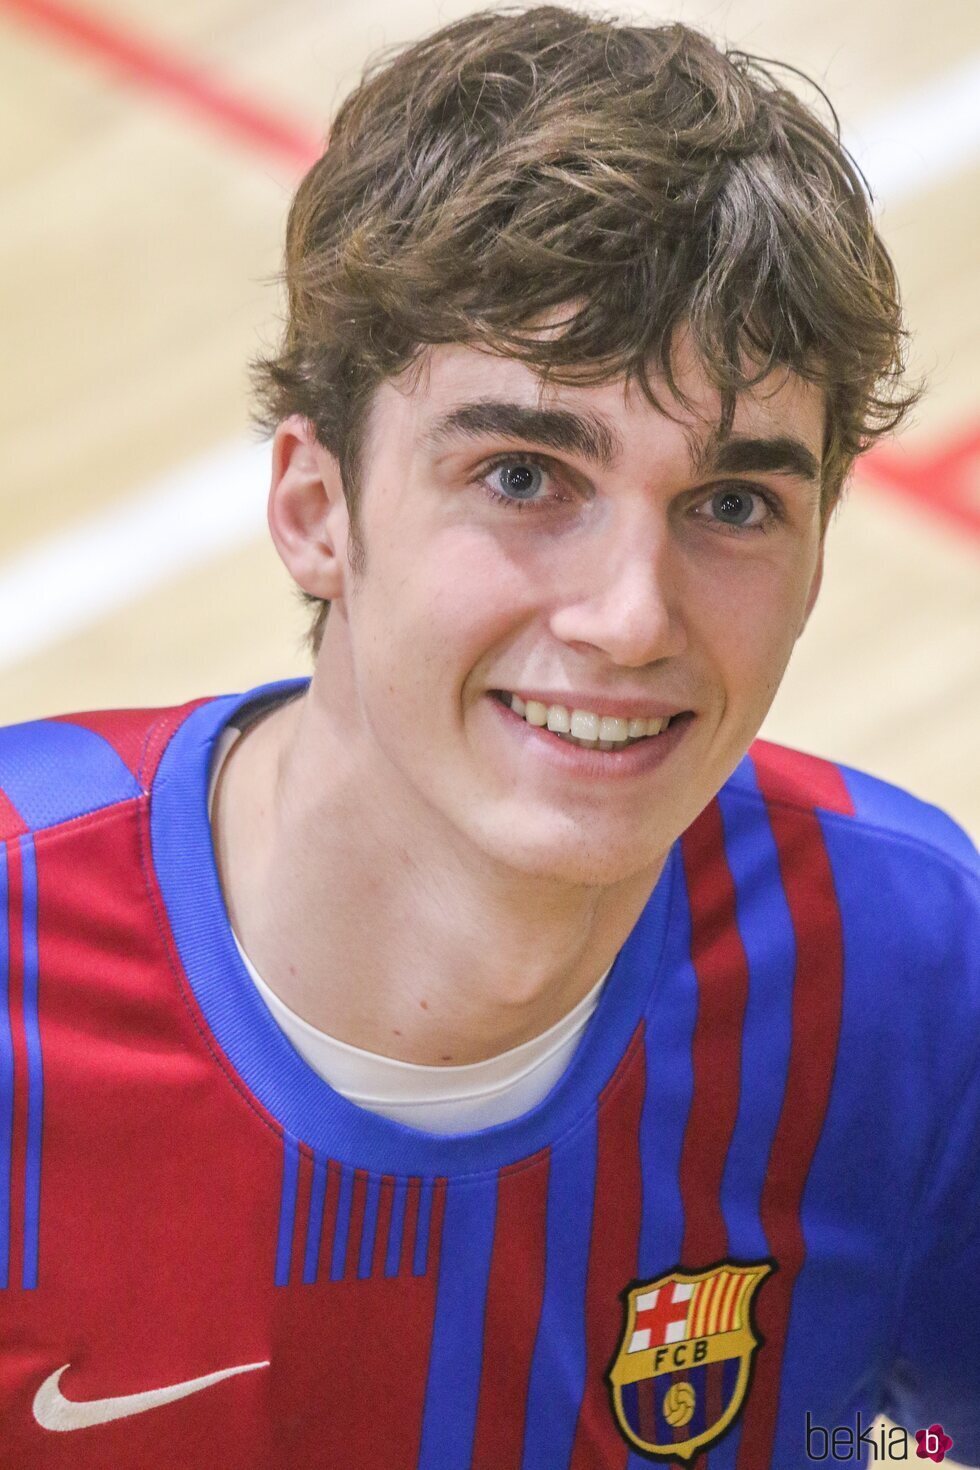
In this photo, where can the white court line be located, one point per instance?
(211, 505)
(189, 516)
(927, 137)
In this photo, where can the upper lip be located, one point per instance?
(622, 706)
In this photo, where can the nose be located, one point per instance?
(625, 600)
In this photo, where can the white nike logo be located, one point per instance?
(53, 1411)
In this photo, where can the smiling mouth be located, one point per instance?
(587, 728)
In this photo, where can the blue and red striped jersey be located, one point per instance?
(750, 1208)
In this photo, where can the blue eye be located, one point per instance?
(519, 480)
(734, 507)
(739, 508)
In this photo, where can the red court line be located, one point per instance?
(943, 480)
(157, 70)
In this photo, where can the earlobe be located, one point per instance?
(307, 511)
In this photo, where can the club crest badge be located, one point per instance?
(684, 1362)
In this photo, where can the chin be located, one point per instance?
(575, 860)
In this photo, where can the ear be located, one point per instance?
(815, 585)
(307, 510)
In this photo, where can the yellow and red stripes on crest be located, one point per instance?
(716, 1305)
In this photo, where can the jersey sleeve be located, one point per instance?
(934, 1374)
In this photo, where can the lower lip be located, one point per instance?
(594, 765)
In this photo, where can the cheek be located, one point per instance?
(750, 623)
(436, 613)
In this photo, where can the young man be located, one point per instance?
(481, 1056)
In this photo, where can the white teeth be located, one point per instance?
(584, 727)
(613, 729)
(585, 724)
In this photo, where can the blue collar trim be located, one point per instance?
(305, 1105)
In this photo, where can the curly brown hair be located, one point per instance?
(519, 161)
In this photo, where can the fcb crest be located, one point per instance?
(684, 1363)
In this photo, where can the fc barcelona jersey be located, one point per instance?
(749, 1209)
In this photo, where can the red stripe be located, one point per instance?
(613, 1252)
(941, 481)
(646, 1409)
(356, 1226)
(138, 736)
(808, 882)
(409, 1226)
(436, 1217)
(386, 1197)
(728, 1314)
(722, 973)
(12, 824)
(708, 1304)
(18, 1162)
(802, 780)
(514, 1294)
(160, 732)
(371, 1417)
(331, 1199)
(157, 70)
(714, 1401)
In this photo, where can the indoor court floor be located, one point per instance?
(147, 157)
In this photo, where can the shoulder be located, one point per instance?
(850, 854)
(860, 815)
(862, 880)
(63, 768)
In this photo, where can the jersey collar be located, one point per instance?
(304, 1104)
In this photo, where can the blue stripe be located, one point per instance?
(314, 1228)
(557, 1379)
(370, 1226)
(456, 1355)
(35, 1070)
(766, 931)
(420, 1259)
(393, 1255)
(670, 1025)
(53, 771)
(287, 1208)
(342, 1226)
(6, 1079)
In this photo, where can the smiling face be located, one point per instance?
(575, 548)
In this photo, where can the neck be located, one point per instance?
(409, 949)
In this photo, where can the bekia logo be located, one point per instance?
(870, 1444)
(933, 1443)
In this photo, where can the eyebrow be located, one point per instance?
(749, 454)
(584, 434)
(591, 437)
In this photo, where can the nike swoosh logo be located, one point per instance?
(53, 1411)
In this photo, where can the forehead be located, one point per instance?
(450, 375)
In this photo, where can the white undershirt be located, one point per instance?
(435, 1099)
